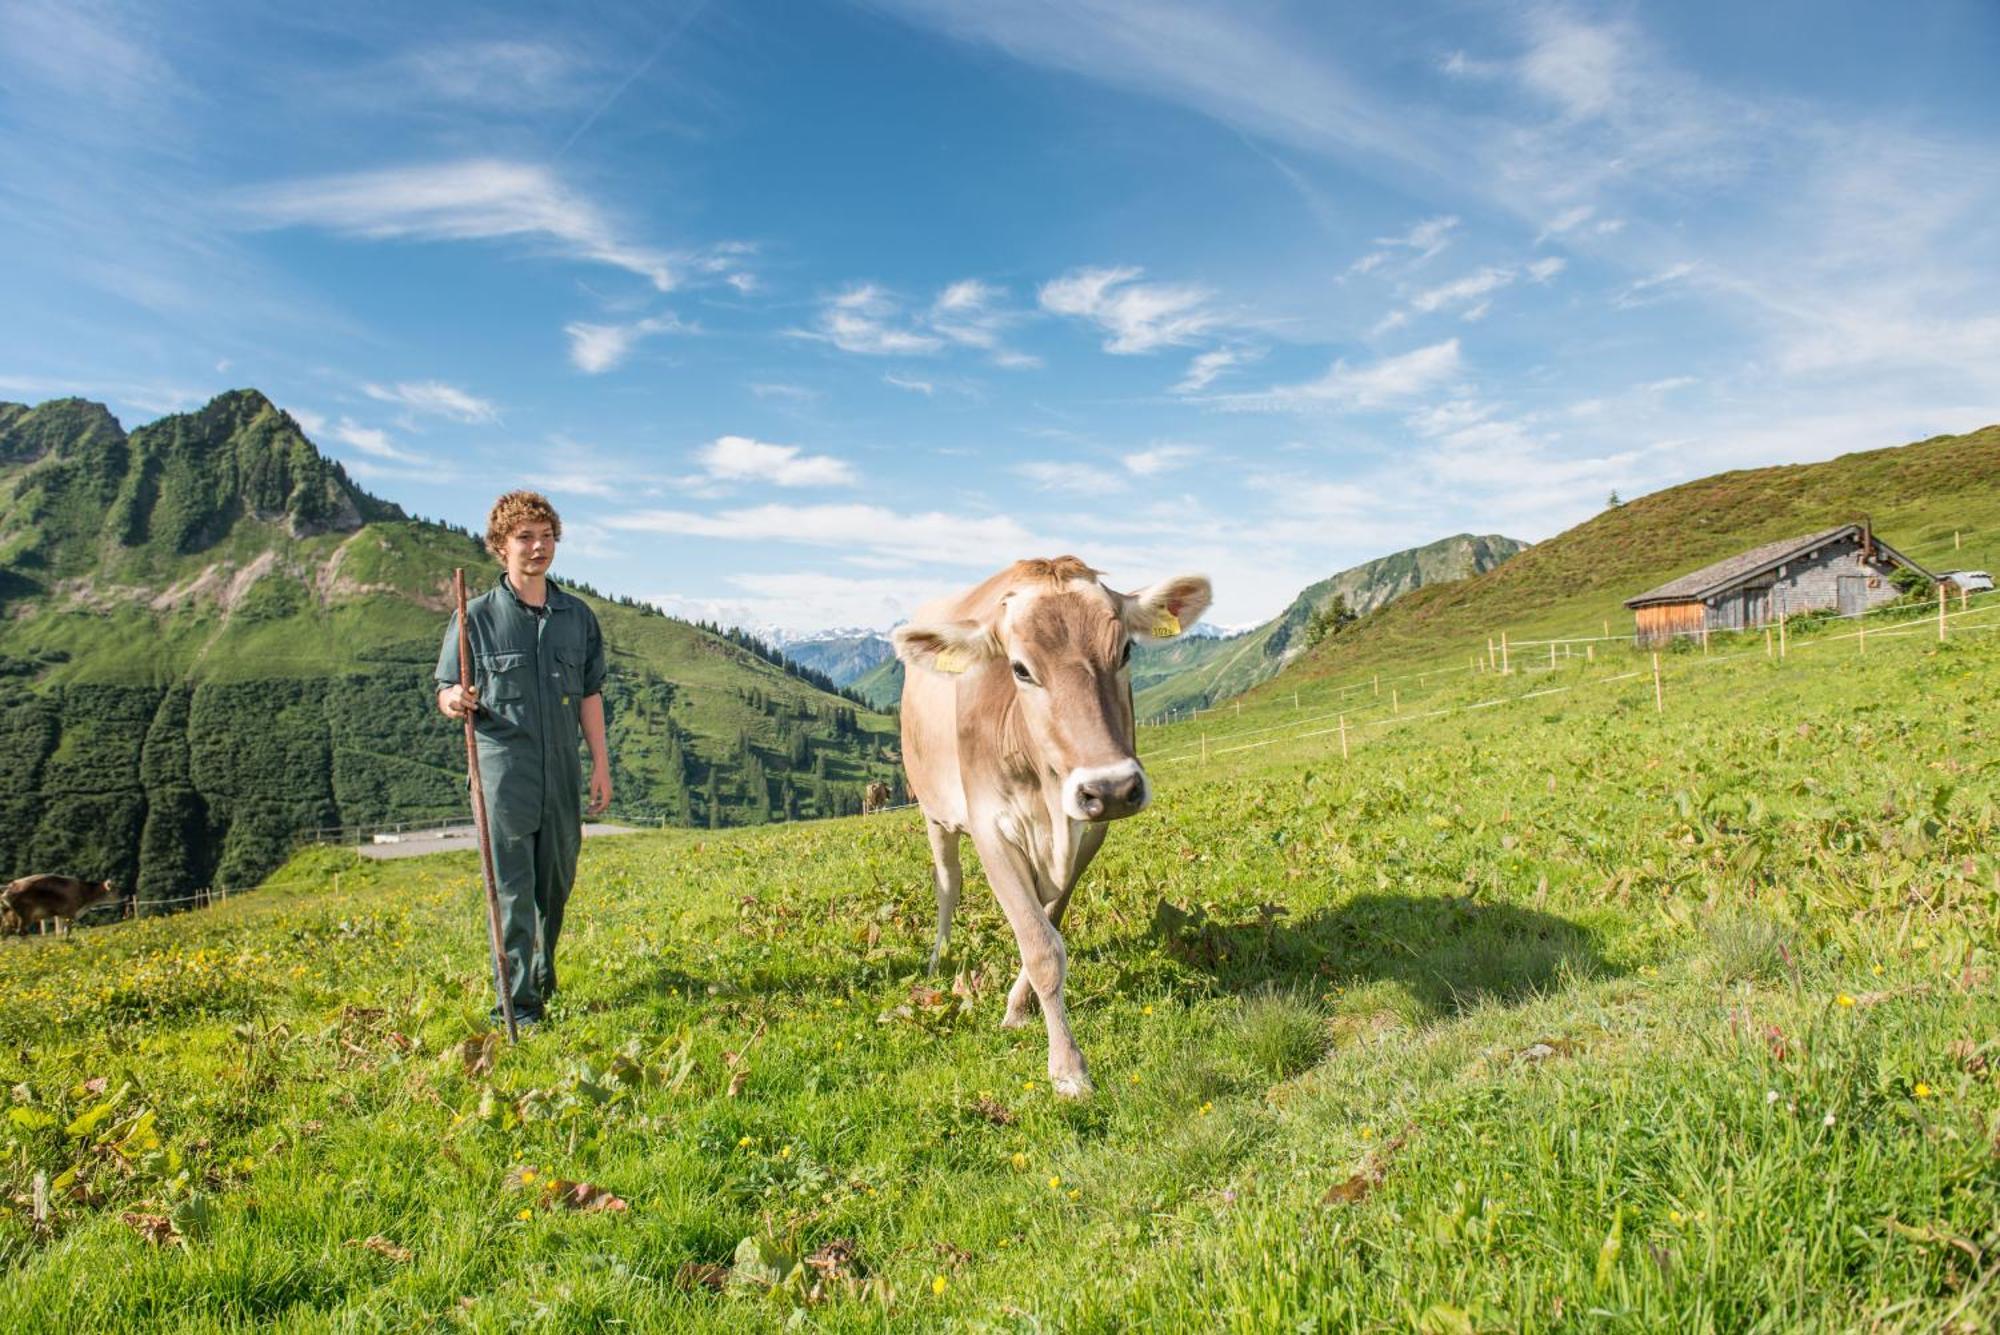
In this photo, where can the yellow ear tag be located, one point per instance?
(953, 661)
(1166, 626)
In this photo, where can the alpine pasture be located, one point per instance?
(1563, 1012)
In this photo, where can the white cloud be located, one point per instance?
(1544, 269)
(865, 319)
(597, 348)
(777, 389)
(926, 388)
(312, 423)
(371, 441)
(1138, 317)
(435, 398)
(929, 536)
(1580, 66)
(741, 459)
(1206, 366)
(1083, 479)
(1157, 459)
(1425, 239)
(1460, 291)
(809, 600)
(468, 200)
(1343, 386)
(1566, 221)
(1647, 290)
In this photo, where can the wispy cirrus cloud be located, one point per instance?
(742, 459)
(435, 398)
(1136, 317)
(1206, 366)
(1158, 459)
(597, 348)
(1375, 385)
(956, 540)
(478, 199)
(869, 319)
(372, 442)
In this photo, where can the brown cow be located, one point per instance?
(33, 899)
(1018, 730)
(874, 798)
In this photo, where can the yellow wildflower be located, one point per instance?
(1020, 1160)
(938, 1284)
(1843, 1000)
(1055, 1184)
(1923, 1091)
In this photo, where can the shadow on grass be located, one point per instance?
(1449, 952)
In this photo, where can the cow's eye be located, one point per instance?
(1021, 672)
(1126, 657)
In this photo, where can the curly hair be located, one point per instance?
(509, 511)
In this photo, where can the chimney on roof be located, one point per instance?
(1867, 540)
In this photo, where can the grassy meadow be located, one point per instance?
(1553, 1014)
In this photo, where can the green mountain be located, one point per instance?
(212, 639)
(1196, 672)
(1937, 501)
(1201, 669)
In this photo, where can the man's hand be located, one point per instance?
(600, 789)
(458, 701)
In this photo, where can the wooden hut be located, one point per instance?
(1845, 569)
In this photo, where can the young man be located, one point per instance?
(538, 668)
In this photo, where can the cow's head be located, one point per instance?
(1066, 643)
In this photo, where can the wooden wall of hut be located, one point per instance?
(1662, 621)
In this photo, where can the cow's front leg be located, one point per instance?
(1044, 960)
(1021, 996)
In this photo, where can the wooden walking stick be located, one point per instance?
(501, 983)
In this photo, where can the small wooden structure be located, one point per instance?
(1845, 569)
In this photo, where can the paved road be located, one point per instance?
(457, 837)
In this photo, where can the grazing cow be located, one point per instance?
(33, 899)
(875, 798)
(1018, 730)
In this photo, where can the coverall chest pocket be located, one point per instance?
(569, 666)
(505, 677)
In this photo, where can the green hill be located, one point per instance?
(211, 639)
(1564, 1014)
(1918, 497)
(1196, 672)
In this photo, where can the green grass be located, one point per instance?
(1526, 1017)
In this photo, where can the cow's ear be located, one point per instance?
(1170, 608)
(949, 647)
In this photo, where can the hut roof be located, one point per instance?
(1714, 579)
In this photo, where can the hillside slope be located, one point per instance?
(1916, 495)
(1193, 672)
(210, 639)
(1562, 1014)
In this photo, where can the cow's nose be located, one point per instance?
(1110, 793)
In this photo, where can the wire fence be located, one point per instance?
(1351, 726)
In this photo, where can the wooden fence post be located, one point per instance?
(1940, 611)
(1395, 701)
(1704, 635)
(1590, 653)
(1505, 668)
(1378, 683)
(1489, 653)
(1767, 643)
(1239, 709)
(1659, 698)
(1295, 702)
(1552, 655)
(1343, 736)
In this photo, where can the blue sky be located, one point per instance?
(803, 314)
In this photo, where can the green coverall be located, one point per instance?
(533, 672)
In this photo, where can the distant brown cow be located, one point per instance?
(34, 899)
(875, 798)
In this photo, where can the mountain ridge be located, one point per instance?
(211, 638)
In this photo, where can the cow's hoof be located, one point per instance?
(1016, 1019)
(1072, 1086)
